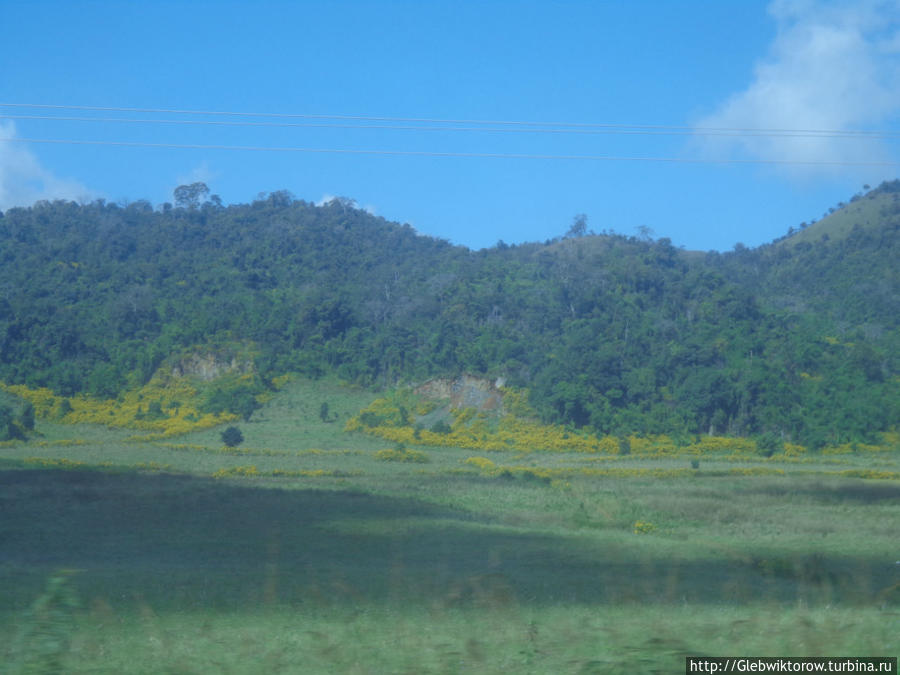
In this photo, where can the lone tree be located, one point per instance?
(579, 227)
(232, 437)
(190, 196)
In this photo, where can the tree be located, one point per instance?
(65, 407)
(244, 403)
(26, 419)
(190, 196)
(232, 437)
(6, 423)
(155, 411)
(281, 198)
(578, 228)
(645, 233)
(344, 202)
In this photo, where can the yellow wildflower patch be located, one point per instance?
(868, 474)
(75, 465)
(56, 463)
(756, 471)
(314, 473)
(281, 380)
(482, 463)
(404, 455)
(253, 472)
(472, 430)
(853, 448)
(165, 407)
(249, 471)
(643, 527)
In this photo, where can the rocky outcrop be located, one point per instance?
(209, 365)
(466, 391)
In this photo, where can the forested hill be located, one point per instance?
(613, 332)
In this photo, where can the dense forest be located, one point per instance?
(797, 339)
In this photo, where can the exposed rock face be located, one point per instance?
(466, 391)
(209, 366)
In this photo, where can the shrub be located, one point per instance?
(441, 427)
(232, 437)
(237, 398)
(769, 443)
(371, 419)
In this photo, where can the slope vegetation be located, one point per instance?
(608, 333)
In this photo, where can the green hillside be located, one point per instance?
(869, 211)
(575, 493)
(610, 334)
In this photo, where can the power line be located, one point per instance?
(423, 120)
(391, 127)
(423, 153)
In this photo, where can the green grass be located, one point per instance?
(429, 567)
(480, 640)
(865, 212)
(292, 419)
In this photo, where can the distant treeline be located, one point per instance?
(621, 334)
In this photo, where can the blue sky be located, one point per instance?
(668, 71)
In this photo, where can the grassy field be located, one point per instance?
(304, 550)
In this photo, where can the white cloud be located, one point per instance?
(834, 65)
(23, 180)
